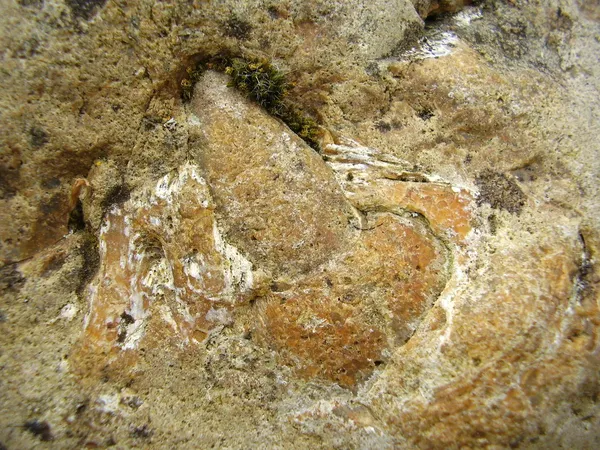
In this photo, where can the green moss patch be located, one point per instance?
(262, 82)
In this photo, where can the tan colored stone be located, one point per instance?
(277, 201)
(503, 322)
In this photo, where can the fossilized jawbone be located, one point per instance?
(341, 261)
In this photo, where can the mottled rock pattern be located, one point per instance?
(473, 138)
(61, 120)
(345, 320)
(347, 287)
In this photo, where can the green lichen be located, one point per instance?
(187, 84)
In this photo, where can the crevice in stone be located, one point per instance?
(437, 9)
(10, 278)
(91, 261)
(76, 220)
(582, 281)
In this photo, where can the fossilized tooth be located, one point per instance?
(373, 182)
(179, 256)
(279, 203)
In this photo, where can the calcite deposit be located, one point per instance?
(179, 269)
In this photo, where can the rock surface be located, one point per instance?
(428, 280)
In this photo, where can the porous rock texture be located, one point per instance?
(191, 274)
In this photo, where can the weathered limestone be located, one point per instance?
(347, 287)
(64, 109)
(428, 281)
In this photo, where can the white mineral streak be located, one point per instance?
(366, 164)
(105, 228)
(312, 323)
(170, 124)
(219, 315)
(170, 185)
(183, 310)
(237, 269)
(68, 311)
(132, 250)
(159, 277)
(192, 269)
(127, 229)
(354, 153)
(447, 301)
(318, 408)
(167, 316)
(439, 43)
(198, 271)
(135, 332)
(92, 293)
(93, 288)
(436, 45)
(108, 403)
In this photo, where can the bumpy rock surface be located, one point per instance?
(334, 289)
(191, 274)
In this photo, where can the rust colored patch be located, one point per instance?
(318, 336)
(339, 323)
(447, 209)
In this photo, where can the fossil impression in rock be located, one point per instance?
(332, 265)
